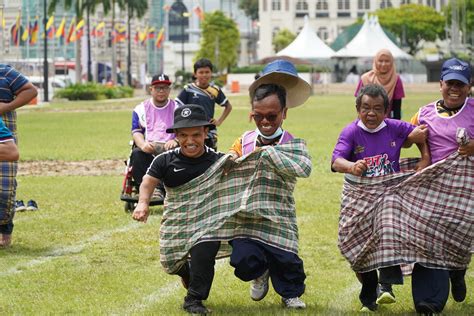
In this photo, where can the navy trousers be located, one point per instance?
(430, 286)
(252, 258)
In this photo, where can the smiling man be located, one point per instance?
(175, 168)
(443, 118)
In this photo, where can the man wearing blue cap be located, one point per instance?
(430, 286)
(276, 89)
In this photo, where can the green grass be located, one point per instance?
(81, 254)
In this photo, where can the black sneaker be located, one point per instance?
(425, 308)
(458, 285)
(19, 206)
(31, 206)
(385, 294)
(368, 308)
(194, 306)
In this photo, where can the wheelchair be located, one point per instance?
(130, 193)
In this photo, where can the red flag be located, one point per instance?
(198, 11)
(160, 37)
(16, 31)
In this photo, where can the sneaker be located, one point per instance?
(259, 286)
(293, 302)
(31, 206)
(426, 308)
(368, 308)
(195, 306)
(5, 240)
(19, 206)
(157, 195)
(458, 285)
(385, 294)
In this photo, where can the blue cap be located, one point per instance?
(283, 73)
(455, 69)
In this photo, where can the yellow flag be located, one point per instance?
(50, 22)
(62, 25)
(26, 32)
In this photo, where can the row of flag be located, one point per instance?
(75, 31)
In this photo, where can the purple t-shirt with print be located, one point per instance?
(381, 150)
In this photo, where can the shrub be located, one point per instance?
(94, 91)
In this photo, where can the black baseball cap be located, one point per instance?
(161, 78)
(189, 115)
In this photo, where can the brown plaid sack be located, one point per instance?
(253, 200)
(408, 217)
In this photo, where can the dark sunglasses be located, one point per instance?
(269, 118)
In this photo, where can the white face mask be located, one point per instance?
(277, 133)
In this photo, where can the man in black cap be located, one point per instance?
(177, 167)
(150, 119)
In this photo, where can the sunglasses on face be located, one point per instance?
(269, 118)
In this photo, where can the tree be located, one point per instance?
(136, 8)
(220, 40)
(283, 38)
(465, 10)
(413, 23)
(250, 7)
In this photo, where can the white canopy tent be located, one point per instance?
(370, 39)
(307, 45)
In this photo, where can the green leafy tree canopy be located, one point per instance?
(282, 39)
(465, 10)
(220, 40)
(250, 7)
(413, 23)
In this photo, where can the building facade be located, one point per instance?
(327, 17)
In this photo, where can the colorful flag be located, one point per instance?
(34, 33)
(50, 27)
(160, 37)
(26, 33)
(2, 20)
(142, 35)
(70, 33)
(79, 29)
(99, 30)
(119, 34)
(16, 31)
(198, 11)
(61, 32)
(150, 33)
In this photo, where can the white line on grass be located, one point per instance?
(162, 293)
(73, 249)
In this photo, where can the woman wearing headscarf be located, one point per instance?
(384, 73)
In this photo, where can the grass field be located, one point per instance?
(82, 254)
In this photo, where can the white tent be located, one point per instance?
(307, 45)
(370, 39)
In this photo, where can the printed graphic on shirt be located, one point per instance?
(378, 165)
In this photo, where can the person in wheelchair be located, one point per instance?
(150, 120)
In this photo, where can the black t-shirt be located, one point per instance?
(175, 169)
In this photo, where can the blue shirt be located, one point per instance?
(5, 134)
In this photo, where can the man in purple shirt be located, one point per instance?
(370, 146)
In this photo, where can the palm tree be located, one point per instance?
(136, 8)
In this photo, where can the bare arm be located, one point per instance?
(345, 166)
(9, 151)
(417, 136)
(141, 143)
(220, 120)
(425, 160)
(147, 187)
(24, 95)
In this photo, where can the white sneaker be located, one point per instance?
(259, 287)
(293, 302)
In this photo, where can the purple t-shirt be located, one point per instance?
(381, 150)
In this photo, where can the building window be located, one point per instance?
(301, 8)
(385, 4)
(275, 31)
(264, 5)
(178, 22)
(322, 9)
(363, 4)
(431, 3)
(323, 33)
(276, 5)
(405, 2)
(343, 7)
(287, 5)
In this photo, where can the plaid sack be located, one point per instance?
(408, 217)
(253, 200)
